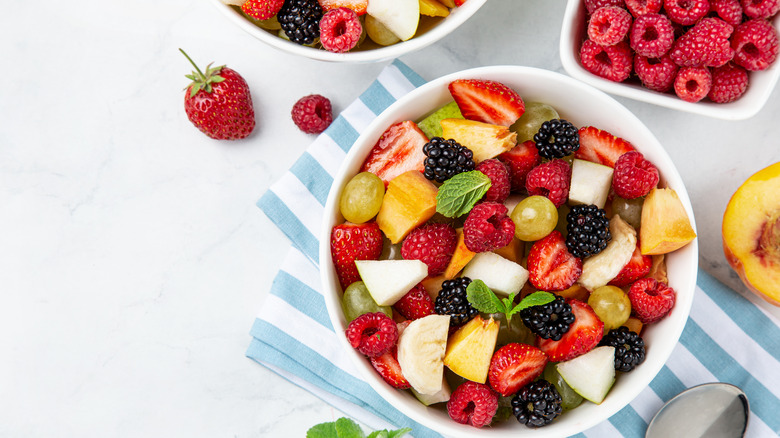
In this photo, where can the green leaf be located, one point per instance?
(347, 428)
(483, 299)
(458, 194)
(398, 433)
(379, 434)
(535, 299)
(323, 430)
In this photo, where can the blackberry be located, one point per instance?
(537, 404)
(300, 20)
(549, 321)
(452, 301)
(446, 158)
(629, 348)
(588, 229)
(557, 138)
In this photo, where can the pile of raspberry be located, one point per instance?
(695, 48)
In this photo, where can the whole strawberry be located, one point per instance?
(218, 102)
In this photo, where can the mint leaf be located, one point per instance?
(347, 428)
(483, 299)
(323, 430)
(398, 433)
(458, 194)
(535, 299)
(379, 434)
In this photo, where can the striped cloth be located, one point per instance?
(727, 338)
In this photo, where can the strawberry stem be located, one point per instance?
(200, 73)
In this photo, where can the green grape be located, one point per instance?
(515, 332)
(357, 301)
(534, 218)
(528, 124)
(569, 398)
(611, 305)
(630, 210)
(362, 197)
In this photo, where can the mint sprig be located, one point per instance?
(346, 428)
(458, 194)
(486, 301)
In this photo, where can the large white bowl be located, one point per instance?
(573, 32)
(582, 105)
(429, 32)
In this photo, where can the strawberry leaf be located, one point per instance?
(483, 299)
(458, 194)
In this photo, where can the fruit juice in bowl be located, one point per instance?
(583, 107)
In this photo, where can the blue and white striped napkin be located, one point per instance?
(727, 338)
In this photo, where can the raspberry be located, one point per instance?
(652, 35)
(499, 180)
(473, 403)
(312, 113)
(262, 9)
(656, 73)
(487, 227)
(755, 44)
(609, 25)
(433, 244)
(729, 82)
(686, 12)
(610, 62)
(372, 334)
(692, 83)
(592, 5)
(760, 8)
(729, 11)
(550, 179)
(634, 176)
(415, 304)
(340, 30)
(651, 300)
(705, 45)
(643, 7)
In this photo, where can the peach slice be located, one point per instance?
(665, 224)
(751, 233)
(470, 349)
(409, 201)
(485, 140)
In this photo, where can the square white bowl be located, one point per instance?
(574, 32)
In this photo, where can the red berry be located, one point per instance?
(416, 304)
(755, 45)
(692, 83)
(262, 9)
(499, 179)
(432, 244)
(388, 367)
(487, 101)
(514, 366)
(656, 74)
(760, 8)
(521, 159)
(686, 12)
(643, 7)
(652, 35)
(651, 300)
(473, 403)
(729, 82)
(583, 335)
(704, 45)
(729, 11)
(398, 150)
(551, 267)
(312, 114)
(551, 179)
(637, 267)
(340, 30)
(610, 62)
(601, 146)
(593, 5)
(487, 227)
(634, 176)
(372, 334)
(609, 25)
(350, 242)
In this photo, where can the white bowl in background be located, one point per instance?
(582, 105)
(429, 32)
(574, 31)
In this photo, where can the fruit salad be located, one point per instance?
(343, 25)
(500, 262)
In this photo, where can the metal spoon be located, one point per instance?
(712, 410)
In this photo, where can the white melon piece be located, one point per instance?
(601, 268)
(502, 276)
(590, 183)
(400, 16)
(440, 397)
(389, 280)
(592, 374)
(421, 350)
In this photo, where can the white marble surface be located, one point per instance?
(133, 258)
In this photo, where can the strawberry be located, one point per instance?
(388, 367)
(415, 304)
(359, 6)
(551, 266)
(262, 9)
(601, 147)
(514, 366)
(487, 101)
(459, 2)
(398, 150)
(218, 102)
(521, 159)
(350, 242)
(636, 268)
(583, 335)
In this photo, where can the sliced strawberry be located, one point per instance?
(550, 264)
(487, 101)
(601, 147)
(415, 304)
(459, 2)
(350, 242)
(639, 266)
(388, 367)
(583, 335)
(398, 150)
(359, 6)
(514, 366)
(521, 159)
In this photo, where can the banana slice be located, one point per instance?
(421, 353)
(601, 268)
